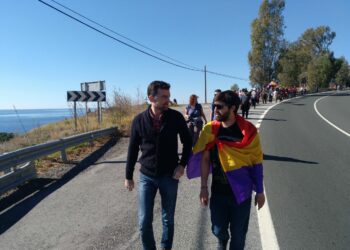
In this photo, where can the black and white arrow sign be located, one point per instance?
(86, 96)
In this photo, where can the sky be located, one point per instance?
(44, 54)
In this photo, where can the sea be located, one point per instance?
(21, 121)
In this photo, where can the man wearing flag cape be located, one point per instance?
(230, 148)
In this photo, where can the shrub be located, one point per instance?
(6, 136)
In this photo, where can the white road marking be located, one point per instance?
(334, 126)
(266, 229)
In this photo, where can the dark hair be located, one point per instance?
(230, 99)
(218, 90)
(155, 85)
(193, 99)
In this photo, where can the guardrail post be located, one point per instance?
(64, 155)
(15, 166)
(91, 141)
(63, 152)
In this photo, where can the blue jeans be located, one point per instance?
(226, 212)
(148, 187)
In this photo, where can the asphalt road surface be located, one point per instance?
(307, 174)
(306, 179)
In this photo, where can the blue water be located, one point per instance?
(26, 119)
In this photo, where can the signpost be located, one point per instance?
(86, 96)
(94, 86)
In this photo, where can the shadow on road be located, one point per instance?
(111, 162)
(275, 109)
(268, 119)
(296, 104)
(201, 228)
(29, 195)
(283, 158)
(330, 94)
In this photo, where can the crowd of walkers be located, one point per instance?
(264, 96)
(196, 118)
(277, 94)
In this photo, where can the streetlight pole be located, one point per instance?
(205, 84)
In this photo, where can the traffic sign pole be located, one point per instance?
(75, 116)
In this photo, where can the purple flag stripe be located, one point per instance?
(193, 169)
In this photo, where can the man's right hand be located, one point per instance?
(129, 184)
(204, 196)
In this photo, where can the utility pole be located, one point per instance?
(205, 84)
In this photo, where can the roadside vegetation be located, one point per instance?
(307, 62)
(119, 113)
(6, 136)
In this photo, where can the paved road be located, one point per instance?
(94, 211)
(307, 172)
(306, 178)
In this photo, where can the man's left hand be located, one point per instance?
(178, 172)
(260, 200)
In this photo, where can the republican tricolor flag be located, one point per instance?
(240, 161)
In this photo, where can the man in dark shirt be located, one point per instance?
(227, 210)
(155, 131)
(220, 183)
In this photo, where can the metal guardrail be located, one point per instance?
(17, 177)
(17, 164)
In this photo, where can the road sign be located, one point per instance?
(86, 96)
(93, 86)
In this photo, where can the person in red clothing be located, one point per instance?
(231, 145)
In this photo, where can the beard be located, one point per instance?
(222, 117)
(162, 107)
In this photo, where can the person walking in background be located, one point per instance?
(270, 95)
(212, 116)
(231, 145)
(194, 114)
(156, 132)
(264, 96)
(245, 103)
(253, 97)
(258, 92)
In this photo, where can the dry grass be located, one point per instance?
(74, 154)
(120, 112)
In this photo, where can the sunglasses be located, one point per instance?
(218, 106)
